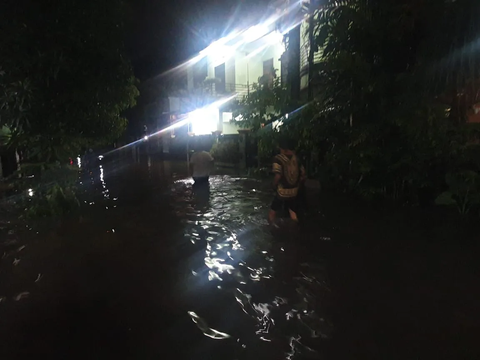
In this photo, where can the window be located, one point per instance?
(220, 75)
(268, 72)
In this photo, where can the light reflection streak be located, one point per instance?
(105, 191)
(241, 37)
(206, 330)
(178, 124)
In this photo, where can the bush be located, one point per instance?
(463, 191)
(54, 201)
(50, 192)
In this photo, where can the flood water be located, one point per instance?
(156, 268)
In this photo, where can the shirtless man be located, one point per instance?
(201, 163)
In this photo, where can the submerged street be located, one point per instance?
(157, 269)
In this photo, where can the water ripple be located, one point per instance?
(226, 221)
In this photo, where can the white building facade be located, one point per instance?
(229, 67)
(232, 67)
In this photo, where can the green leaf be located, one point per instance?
(445, 198)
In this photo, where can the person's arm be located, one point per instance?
(277, 171)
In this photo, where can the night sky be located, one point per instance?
(161, 34)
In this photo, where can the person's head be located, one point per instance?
(286, 145)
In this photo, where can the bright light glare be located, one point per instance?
(145, 137)
(238, 37)
(204, 121)
(30, 192)
(218, 52)
(273, 38)
(216, 105)
(79, 161)
(100, 157)
(255, 32)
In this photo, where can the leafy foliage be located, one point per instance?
(385, 130)
(264, 104)
(65, 81)
(395, 84)
(56, 200)
(48, 190)
(64, 84)
(463, 191)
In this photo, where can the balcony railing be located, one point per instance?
(216, 89)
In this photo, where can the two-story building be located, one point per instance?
(227, 69)
(203, 88)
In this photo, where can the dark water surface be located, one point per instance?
(156, 268)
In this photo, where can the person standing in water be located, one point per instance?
(289, 175)
(201, 164)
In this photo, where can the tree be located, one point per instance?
(65, 81)
(382, 75)
(265, 103)
(395, 81)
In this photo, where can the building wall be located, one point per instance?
(226, 126)
(230, 70)
(253, 65)
(241, 69)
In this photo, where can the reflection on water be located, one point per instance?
(245, 292)
(105, 191)
(156, 264)
(202, 325)
(252, 268)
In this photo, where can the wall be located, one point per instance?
(236, 66)
(230, 70)
(237, 73)
(227, 127)
(253, 66)
(241, 70)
